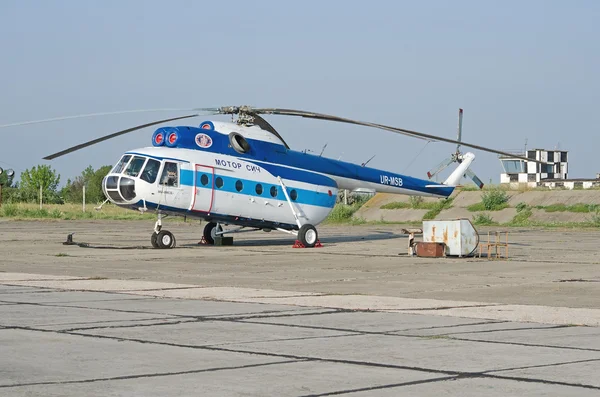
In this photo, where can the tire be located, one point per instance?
(154, 240)
(165, 239)
(308, 235)
(209, 233)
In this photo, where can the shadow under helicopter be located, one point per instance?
(254, 243)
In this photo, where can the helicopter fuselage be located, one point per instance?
(240, 175)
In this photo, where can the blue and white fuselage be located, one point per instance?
(240, 175)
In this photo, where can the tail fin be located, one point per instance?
(463, 170)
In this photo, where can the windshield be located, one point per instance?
(135, 166)
(150, 171)
(121, 164)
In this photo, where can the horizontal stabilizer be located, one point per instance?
(474, 178)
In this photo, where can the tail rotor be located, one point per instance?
(464, 161)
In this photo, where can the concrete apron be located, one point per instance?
(478, 310)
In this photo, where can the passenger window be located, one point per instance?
(150, 171)
(259, 189)
(170, 175)
(293, 195)
(121, 164)
(219, 182)
(273, 191)
(204, 179)
(239, 186)
(135, 166)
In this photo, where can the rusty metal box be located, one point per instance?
(430, 249)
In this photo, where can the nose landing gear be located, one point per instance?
(162, 239)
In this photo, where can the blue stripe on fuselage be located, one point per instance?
(309, 197)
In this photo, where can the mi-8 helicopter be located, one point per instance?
(244, 174)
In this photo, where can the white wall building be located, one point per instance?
(519, 172)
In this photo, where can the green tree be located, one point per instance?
(92, 179)
(40, 175)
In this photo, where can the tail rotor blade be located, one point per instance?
(440, 167)
(470, 174)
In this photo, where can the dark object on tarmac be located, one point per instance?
(434, 250)
(220, 240)
(69, 240)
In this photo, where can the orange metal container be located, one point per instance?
(434, 250)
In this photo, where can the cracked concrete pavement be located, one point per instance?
(356, 317)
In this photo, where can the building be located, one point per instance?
(518, 172)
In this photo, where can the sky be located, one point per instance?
(521, 70)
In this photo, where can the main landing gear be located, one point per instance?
(308, 235)
(162, 239)
(210, 232)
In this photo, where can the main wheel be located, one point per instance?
(165, 239)
(210, 231)
(308, 235)
(154, 240)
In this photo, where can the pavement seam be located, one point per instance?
(381, 387)
(158, 374)
(589, 349)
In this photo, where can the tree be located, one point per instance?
(73, 190)
(40, 175)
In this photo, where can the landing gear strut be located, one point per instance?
(162, 239)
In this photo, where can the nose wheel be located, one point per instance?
(163, 239)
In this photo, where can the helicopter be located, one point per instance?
(242, 176)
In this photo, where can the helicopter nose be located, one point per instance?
(119, 189)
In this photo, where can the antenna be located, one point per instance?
(367, 162)
(525, 146)
(322, 150)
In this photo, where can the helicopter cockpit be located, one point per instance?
(119, 184)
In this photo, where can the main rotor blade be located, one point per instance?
(421, 135)
(327, 117)
(113, 135)
(79, 116)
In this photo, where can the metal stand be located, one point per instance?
(492, 247)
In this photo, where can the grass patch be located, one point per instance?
(69, 212)
(437, 208)
(555, 208)
(415, 205)
(61, 254)
(491, 200)
(578, 208)
(343, 213)
(483, 220)
(522, 218)
(396, 205)
(481, 207)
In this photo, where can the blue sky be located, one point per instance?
(520, 69)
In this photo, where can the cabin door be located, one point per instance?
(204, 188)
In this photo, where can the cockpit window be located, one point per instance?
(121, 164)
(170, 175)
(135, 166)
(150, 171)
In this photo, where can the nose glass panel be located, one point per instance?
(119, 189)
(127, 188)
